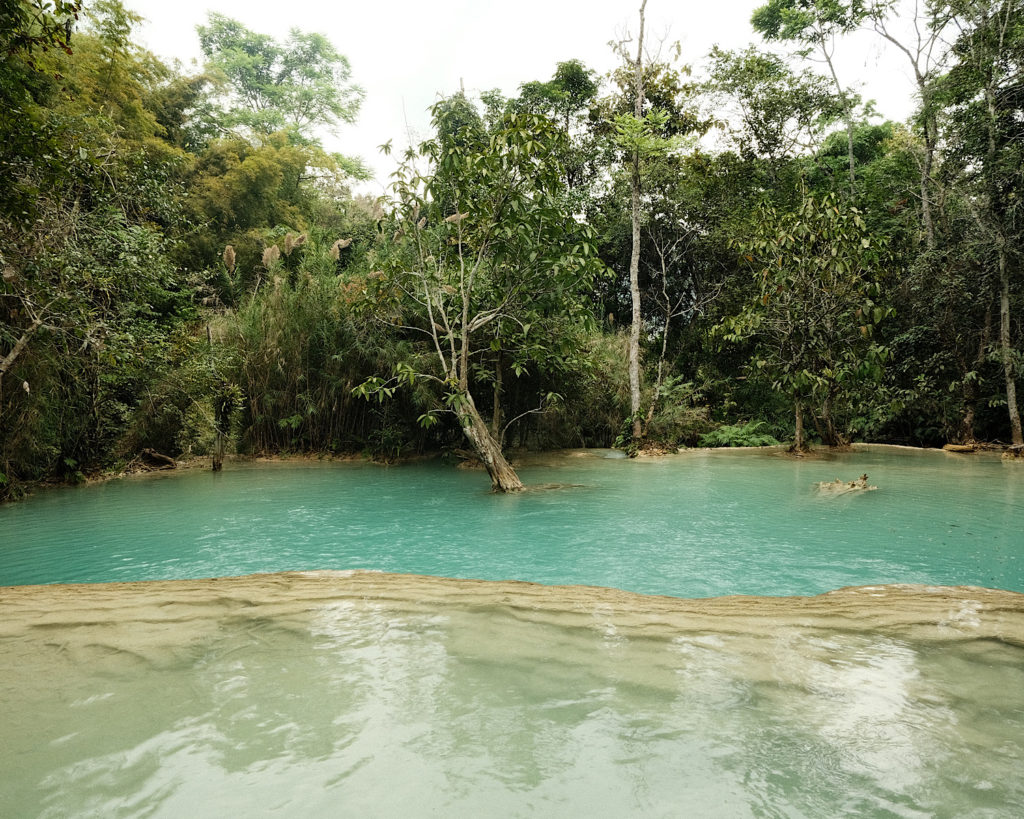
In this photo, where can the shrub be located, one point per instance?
(748, 434)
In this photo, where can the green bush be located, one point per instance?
(748, 434)
(680, 417)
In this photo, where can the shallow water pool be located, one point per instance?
(700, 524)
(368, 693)
(385, 695)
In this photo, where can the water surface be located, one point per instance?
(375, 694)
(383, 695)
(699, 524)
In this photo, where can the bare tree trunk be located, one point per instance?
(921, 61)
(1004, 275)
(1007, 349)
(503, 476)
(218, 451)
(634, 259)
(496, 413)
(847, 115)
(656, 395)
(798, 437)
(930, 129)
(849, 149)
(965, 435)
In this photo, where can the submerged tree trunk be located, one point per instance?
(487, 448)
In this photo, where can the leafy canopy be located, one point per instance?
(486, 258)
(299, 84)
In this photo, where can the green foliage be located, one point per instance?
(30, 26)
(299, 84)
(299, 349)
(680, 416)
(477, 293)
(819, 274)
(807, 20)
(572, 88)
(782, 112)
(500, 278)
(751, 433)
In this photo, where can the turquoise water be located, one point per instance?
(373, 694)
(693, 525)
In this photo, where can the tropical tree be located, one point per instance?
(925, 49)
(986, 106)
(27, 26)
(300, 84)
(816, 24)
(89, 296)
(647, 117)
(567, 98)
(504, 271)
(781, 113)
(818, 273)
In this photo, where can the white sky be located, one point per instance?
(404, 54)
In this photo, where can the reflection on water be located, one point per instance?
(380, 695)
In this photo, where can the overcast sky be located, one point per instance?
(405, 54)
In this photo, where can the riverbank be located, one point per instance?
(518, 458)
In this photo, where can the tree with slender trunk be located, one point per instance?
(641, 136)
(816, 23)
(985, 110)
(485, 259)
(925, 50)
(634, 258)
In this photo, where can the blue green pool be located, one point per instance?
(698, 524)
(406, 691)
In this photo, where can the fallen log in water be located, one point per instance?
(841, 487)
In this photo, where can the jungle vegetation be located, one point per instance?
(659, 257)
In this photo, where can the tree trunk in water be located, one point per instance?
(1007, 350)
(503, 476)
(634, 259)
(798, 436)
(218, 451)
